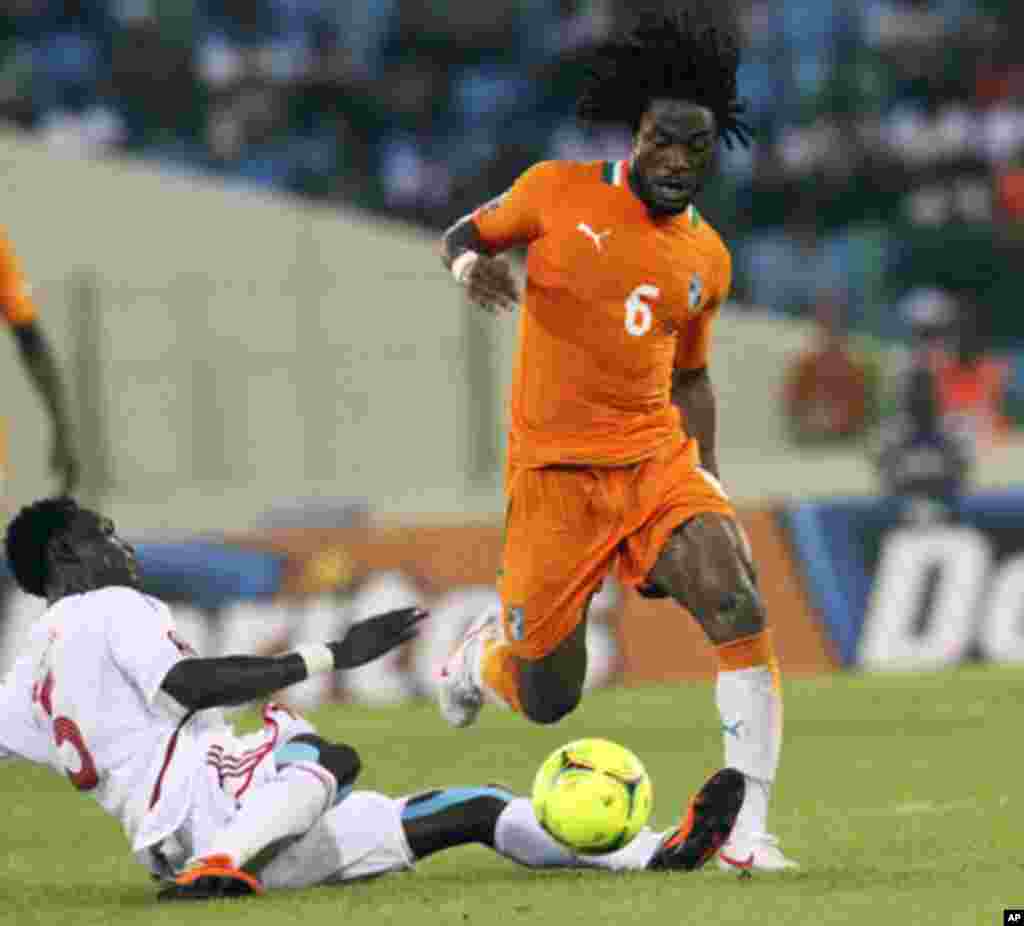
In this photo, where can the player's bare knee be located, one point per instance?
(740, 613)
(551, 687)
(340, 759)
(549, 712)
(548, 707)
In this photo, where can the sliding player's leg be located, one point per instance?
(706, 567)
(251, 801)
(560, 539)
(369, 834)
(362, 837)
(705, 825)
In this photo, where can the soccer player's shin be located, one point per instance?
(447, 817)
(749, 701)
(490, 816)
(450, 817)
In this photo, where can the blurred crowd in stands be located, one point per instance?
(890, 133)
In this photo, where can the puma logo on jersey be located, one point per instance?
(593, 235)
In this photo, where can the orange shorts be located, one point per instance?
(567, 527)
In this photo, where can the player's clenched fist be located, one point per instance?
(488, 281)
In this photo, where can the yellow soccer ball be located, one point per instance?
(592, 795)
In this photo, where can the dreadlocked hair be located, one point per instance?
(680, 57)
(28, 536)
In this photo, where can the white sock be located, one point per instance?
(633, 857)
(286, 806)
(750, 707)
(753, 816)
(519, 837)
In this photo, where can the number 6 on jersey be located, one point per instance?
(639, 315)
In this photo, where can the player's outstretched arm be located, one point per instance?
(39, 363)
(197, 684)
(488, 280)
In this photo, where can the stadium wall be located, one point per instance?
(225, 343)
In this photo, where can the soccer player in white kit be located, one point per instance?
(108, 694)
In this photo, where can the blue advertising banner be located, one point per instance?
(206, 575)
(905, 596)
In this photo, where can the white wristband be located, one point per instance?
(317, 657)
(462, 264)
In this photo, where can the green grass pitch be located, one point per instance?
(901, 795)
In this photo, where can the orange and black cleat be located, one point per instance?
(706, 827)
(210, 878)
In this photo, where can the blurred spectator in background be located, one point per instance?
(921, 463)
(242, 39)
(788, 267)
(414, 168)
(248, 135)
(970, 383)
(20, 26)
(152, 81)
(1010, 190)
(72, 60)
(971, 386)
(826, 393)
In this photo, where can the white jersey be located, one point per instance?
(85, 699)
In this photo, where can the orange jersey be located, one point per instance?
(15, 300)
(614, 302)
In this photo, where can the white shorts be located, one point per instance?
(361, 837)
(231, 767)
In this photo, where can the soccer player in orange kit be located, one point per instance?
(611, 462)
(19, 311)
